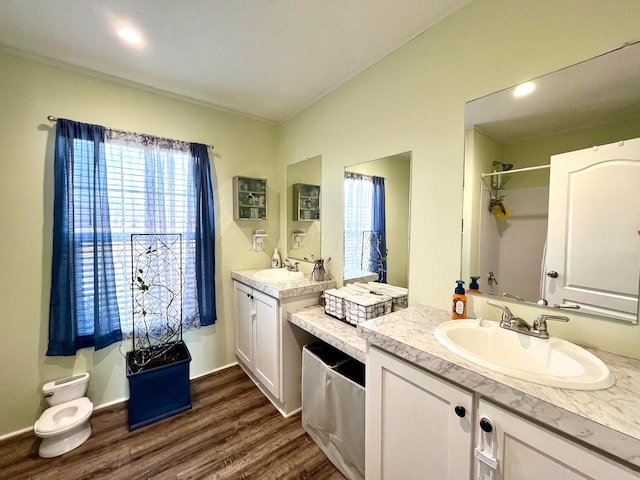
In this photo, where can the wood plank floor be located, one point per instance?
(232, 432)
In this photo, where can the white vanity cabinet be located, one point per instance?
(417, 425)
(257, 339)
(525, 451)
(268, 347)
(415, 431)
(539, 432)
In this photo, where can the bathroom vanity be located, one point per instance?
(268, 348)
(535, 431)
(426, 404)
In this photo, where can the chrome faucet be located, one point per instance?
(290, 266)
(517, 324)
(540, 324)
(509, 320)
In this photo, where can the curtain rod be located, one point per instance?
(51, 118)
(518, 170)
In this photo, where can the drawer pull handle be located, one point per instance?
(485, 425)
(460, 411)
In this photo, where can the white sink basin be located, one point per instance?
(277, 275)
(553, 362)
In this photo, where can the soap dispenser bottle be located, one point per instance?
(459, 304)
(275, 260)
(473, 286)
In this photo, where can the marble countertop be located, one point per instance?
(331, 330)
(606, 420)
(281, 290)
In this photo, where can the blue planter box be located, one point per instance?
(159, 392)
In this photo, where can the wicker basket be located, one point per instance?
(398, 294)
(334, 303)
(361, 308)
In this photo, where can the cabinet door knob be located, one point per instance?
(460, 411)
(485, 425)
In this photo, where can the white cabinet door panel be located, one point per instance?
(244, 323)
(267, 345)
(526, 451)
(412, 431)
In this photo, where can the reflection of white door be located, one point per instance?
(593, 243)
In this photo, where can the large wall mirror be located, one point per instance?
(520, 194)
(394, 172)
(304, 218)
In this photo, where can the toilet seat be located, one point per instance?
(64, 417)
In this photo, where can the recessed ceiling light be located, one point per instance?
(524, 89)
(129, 35)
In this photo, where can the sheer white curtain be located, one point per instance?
(151, 190)
(358, 218)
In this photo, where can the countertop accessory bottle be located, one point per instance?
(319, 272)
(473, 285)
(275, 260)
(459, 303)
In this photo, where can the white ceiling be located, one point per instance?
(265, 58)
(599, 91)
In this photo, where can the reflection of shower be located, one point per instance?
(497, 202)
(496, 205)
(496, 181)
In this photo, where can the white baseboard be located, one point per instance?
(7, 436)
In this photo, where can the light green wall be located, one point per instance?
(30, 91)
(539, 151)
(413, 100)
(484, 151)
(396, 172)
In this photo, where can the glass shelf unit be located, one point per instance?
(249, 198)
(306, 202)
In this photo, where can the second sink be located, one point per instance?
(277, 275)
(554, 362)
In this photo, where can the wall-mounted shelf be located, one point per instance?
(249, 198)
(306, 202)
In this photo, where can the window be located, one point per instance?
(108, 186)
(150, 190)
(358, 219)
(365, 248)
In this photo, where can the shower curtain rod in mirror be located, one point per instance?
(526, 169)
(51, 118)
